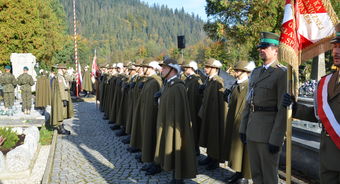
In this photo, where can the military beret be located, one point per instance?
(25, 68)
(7, 67)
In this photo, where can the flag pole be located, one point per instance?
(289, 128)
(75, 46)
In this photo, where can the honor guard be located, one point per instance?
(238, 159)
(26, 82)
(326, 111)
(263, 124)
(175, 147)
(8, 81)
(213, 112)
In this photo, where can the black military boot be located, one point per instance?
(62, 130)
(234, 178)
(146, 166)
(132, 150)
(174, 181)
(127, 140)
(121, 133)
(214, 164)
(154, 169)
(115, 127)
(205, 161)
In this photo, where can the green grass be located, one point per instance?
(46, 135)
(11, 138)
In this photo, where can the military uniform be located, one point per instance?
(192, 83)
(329, 151)
(264, 118)
(175, 142)
(43, 91)
(61, 103)
(148, 116)
(87, 83)
(26, 82)
(238, 156)
(8, 81)
(213, 113)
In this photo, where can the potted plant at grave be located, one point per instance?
(9, 140)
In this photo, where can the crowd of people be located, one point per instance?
(168, 110)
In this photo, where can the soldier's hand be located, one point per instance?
(287, 100)
(273, 149)
(157, 95)
(65, 103)
(243, 138)
(132, 84)
(201, 88)
(141, 85)
(226, 95)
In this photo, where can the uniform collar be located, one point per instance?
(268, 65)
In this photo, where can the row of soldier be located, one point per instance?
(168, 119)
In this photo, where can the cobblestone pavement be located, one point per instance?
(93, 154)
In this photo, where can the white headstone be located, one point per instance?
(2, 162)
(18, 159)
(19, 61)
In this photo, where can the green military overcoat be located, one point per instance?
(149, 108)
(60, 93)
(87, 83)
(213, 114)
(43, 92)
(123, 102)
(192, 84)
(136, 128)
(175, 147)
(132, 100)
(238, 159)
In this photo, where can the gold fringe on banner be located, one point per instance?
(288, 55)
(327, 4)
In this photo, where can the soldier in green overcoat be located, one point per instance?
(213, 113)
(8, 82)
(132, 96)
(87, 83)
(263, 123)
(192, 83)
(26, 82)
(43, 91)
(61, 103)
(136, 127)
(148, 115)
(326, 105)
(175, 147)
(238, 159)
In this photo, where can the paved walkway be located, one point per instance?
(93, 154)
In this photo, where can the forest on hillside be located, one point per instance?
(129, 29)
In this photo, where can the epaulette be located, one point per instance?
(284, 68)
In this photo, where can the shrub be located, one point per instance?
(46, 135)
(11, 138)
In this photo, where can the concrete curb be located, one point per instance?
(49, 165)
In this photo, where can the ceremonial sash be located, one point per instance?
(325, 113)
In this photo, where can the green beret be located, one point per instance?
(25, 68)
(8, 67)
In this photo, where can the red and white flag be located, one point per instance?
(307, 28)
(94, 67)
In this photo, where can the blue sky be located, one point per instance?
(195, 6)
